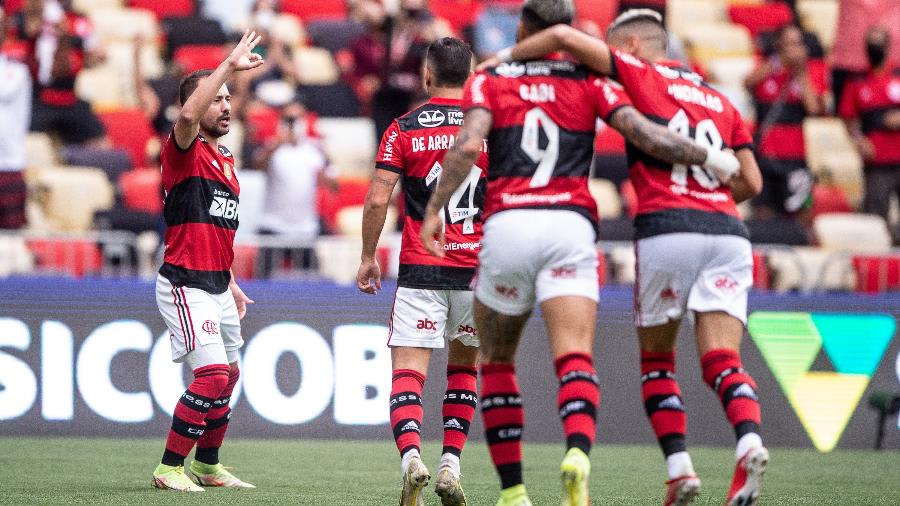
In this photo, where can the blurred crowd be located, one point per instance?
(92, 85)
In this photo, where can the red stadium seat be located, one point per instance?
(829, 198)
(166, 8)
(262, 124)
(760, 271)
(601, 267)
(350, 192)
(877, 273)
(244, 265)
(459, 13)
(130, 130)
(142, 190)
(194, 57)
(13, 6)
(73, 257)
(761, 18)
(601, 13)
(308, 10)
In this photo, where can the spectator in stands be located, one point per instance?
(61, 43)
(296, 166)
(786, 91)
(848, 55)
(871, 107)
(15, 109)
(389, 57)
(157, 96)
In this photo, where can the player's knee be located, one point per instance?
(214, 383)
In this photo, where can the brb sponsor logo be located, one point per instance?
(223, 207)
(824, 401)
(53, 374)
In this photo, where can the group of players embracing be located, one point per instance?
(498, 218)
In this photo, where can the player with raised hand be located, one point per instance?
(692, 248)
(539, 234)
(433, 302)
(197, 295)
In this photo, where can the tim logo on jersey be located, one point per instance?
(223, 207)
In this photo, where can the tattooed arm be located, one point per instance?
(456, 167)
(656, 140)
(368, 278)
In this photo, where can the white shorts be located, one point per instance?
(532, 255)
(424, 318)
(196, 318)
(695, 272)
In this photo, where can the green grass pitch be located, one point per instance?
(58, 471)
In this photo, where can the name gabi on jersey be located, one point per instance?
(432, 143)
(223, 207)
(538, 93)
(689, 94)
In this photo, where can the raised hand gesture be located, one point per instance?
(242, 56)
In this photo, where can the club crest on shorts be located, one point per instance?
(210, 327)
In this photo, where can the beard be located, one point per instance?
(214, 128)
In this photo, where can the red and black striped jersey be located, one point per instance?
(544, 117)
(201, 212)
(780, 111)
(869, 98)
(677, 197)
(414, 147)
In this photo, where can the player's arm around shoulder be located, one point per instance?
(187, 126)
(656, 140)
(457, 165)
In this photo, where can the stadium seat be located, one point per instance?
(877, 273)
(682, 16)
(460, 14)
(86, 6)
(829, 198)
(120, 56)
(349, 220)
(308, 10)
(352, 159)
(730, 71)
(333, 101)
(113, 161)
(74, 257)
(829, 149)
(821, 17)
(129, 129)
(288, 29)
(141, 190)
(315, 66)
(761, 276)
(335, 34)
(71, 195)
(338, 257)
(105, 88)
(40, 151)
(166, 8)
(253, 199)
(707, 41)
(806, 269)
(623, 263)
(200, 56)
(853, 232)
(605, 194)
(244, 265)
(761, 18)
(14, 255)
(124, 24)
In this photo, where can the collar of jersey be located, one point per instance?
(445, 101)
